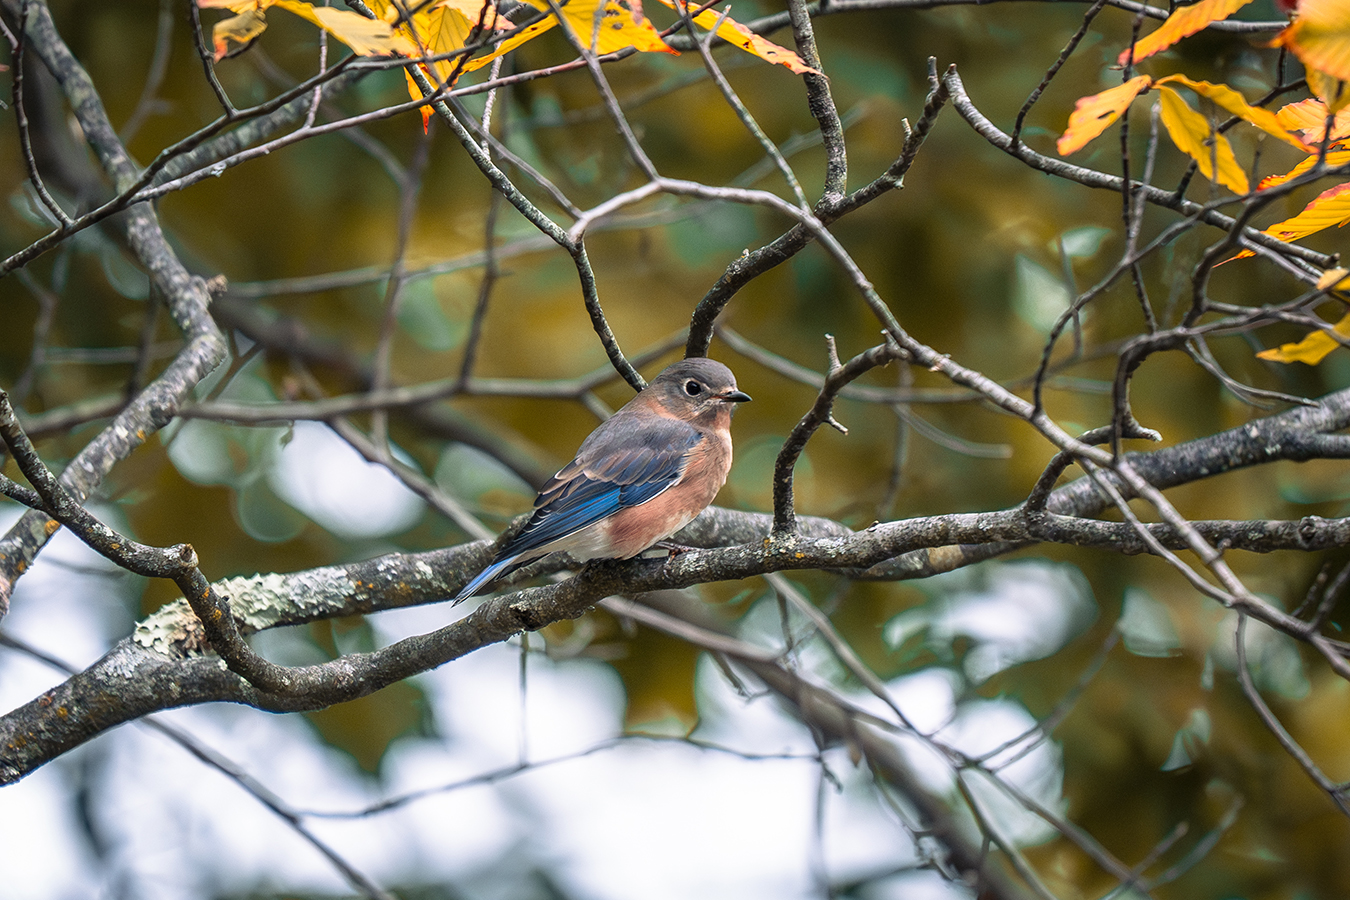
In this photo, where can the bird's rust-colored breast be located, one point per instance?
(633, 530)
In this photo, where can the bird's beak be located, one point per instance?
(734, 397)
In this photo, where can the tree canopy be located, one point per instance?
(1027, 578)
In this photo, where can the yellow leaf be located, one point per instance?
(1225, 97)
(442, 29)
(1332, 90)
(1320, 37)
(621, 24)
(448, 25)
(1194, 136)
(475, 10)
(1332, 279)
(1334, 158)
(1093, 115)
(437, 29)
(366, 37)
(734, 32)
(617, 29)
(1331, 207)
(1312, 349)
(528, 33)
(1185, 21)
(237, 30)
(1309, 119)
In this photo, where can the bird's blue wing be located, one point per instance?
(617, 467)
(497, 568)
(607, 476)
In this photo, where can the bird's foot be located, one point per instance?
(673, 548)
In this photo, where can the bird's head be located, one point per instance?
(697, 389)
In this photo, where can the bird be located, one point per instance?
(642, 475)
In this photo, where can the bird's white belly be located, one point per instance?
(591, 542)
(598, 541)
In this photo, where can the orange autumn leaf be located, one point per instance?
(1332, 90)
(1331, 207)
(1195, 136)
(1312, 349)
(738, 35)
(237, 30)
(249, 22)
(366, 37)
(1309, 119)
(1334, 158)
(1093, 115)
(735, 33)
(1185, 21)
(1223, 96)
(1320, 37)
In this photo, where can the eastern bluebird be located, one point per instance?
(640, 477)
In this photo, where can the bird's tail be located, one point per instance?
(497, 569)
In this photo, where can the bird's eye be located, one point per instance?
(693, 388)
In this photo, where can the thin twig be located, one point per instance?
(149, 104)
(1050, 73)
(18, 46)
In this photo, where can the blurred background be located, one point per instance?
(599, 758)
